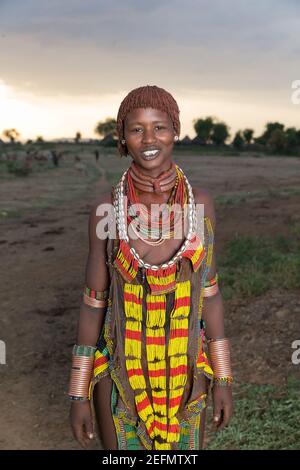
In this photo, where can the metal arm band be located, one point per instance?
(96, 299)
(219, 353)
(81, 372)
(211, 287)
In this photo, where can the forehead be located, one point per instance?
(146, 115)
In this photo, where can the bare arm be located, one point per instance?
(213, 316)
(91, 319)
(213, 309)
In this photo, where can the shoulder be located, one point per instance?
(99, 206)
(105, 198)
(203, 196)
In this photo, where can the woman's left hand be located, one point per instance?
(222, 406)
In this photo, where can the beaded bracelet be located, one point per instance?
(223, 381)
(81, 372)
(94, 298)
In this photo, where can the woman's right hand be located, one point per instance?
(82, 422)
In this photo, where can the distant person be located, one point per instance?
(28, 161)
(54, 157)
(97, 155)
(151, 304)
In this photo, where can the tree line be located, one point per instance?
(209, 131)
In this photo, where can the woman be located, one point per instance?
(151, 307)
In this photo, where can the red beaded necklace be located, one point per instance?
(154, 228)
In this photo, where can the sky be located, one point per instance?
(66, 64)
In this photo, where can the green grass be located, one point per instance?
(9, 213)
(265, 417)
(250, 265)
(10, 170)
(234, 199)
(4, 174)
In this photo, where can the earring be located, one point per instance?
(123, 141)
(176, 137)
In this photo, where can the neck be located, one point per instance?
(154, 172)
(164, 181)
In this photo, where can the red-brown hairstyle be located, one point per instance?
(149, 96)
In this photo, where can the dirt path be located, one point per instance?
(43, 255)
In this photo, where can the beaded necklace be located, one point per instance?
(154, 227)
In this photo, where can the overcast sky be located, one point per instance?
(64, 64)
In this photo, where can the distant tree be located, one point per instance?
(238, 141)
(292, 137)
(104, 128)
(39, 139)
(277, 141)
(220, 133)
(204, 128)
(78, 137)
(266, 135)
(248, 135)
(11, 134)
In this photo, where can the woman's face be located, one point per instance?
(147, 130)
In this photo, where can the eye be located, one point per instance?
(159, 127)
(136, 129)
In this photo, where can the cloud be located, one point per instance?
(212, 52)
(97, 46)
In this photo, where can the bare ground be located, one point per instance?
(43, 246)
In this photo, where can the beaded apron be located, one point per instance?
(153, 347)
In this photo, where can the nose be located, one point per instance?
(149, 136)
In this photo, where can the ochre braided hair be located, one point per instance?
(149, 96)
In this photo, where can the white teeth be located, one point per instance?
(150, 152)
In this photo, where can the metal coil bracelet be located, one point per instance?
(219, 353)
(81, 372)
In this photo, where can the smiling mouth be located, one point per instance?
(150, 154)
